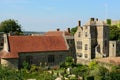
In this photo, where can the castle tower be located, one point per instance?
(91, 40)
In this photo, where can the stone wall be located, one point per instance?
(114, 48)
(11, 63)
(41, 58)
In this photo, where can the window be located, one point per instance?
(29, 59)
(86, 55)
(80, 54)
(51, 58)
(85, 34)
(79, 44)
(86, 47)
(79, 34)
(113, 45)
(61, 57)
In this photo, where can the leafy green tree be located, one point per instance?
(114, 33)
(69, 62)
(73, 30)
(109, 21)
(81, 70)
(99, 72)
(114, 73)
(10, 26)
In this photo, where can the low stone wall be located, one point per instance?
(11, 63)
(83, 61)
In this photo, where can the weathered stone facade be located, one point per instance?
(43, 58)
(11, 63)
(114, 48)
(92, 40)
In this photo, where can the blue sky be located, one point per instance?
(45, 15)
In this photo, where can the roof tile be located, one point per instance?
(34, 44)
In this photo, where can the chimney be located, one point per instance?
(91, 19)
(6, 42)
(79, 23)
(58, 29)
(68, 30)
(96, 19)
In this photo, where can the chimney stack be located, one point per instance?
(68, 30)
(91, 19)
(96, 19)
(79, 23)
(58, 29)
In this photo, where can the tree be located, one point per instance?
(69, 62)
(73, 30)
(109, 21)
(10, 26)
(97, 71)
(114, 33)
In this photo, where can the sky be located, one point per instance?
(46, 15)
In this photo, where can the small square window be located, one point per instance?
(86, 55)
(113, 45)
(86, 34)
(79, 34)
(86, 47)
(79, 44)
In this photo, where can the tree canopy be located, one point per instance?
(10, 26)
(73, 30)
(114, 32)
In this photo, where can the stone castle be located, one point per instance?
(92, 40)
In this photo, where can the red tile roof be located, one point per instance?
(57, 33)
(34, 44)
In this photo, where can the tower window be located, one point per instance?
(86, 34)
(86, 46)
(79, 44)
(79, 34)
(86, 55)
(113, 45)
